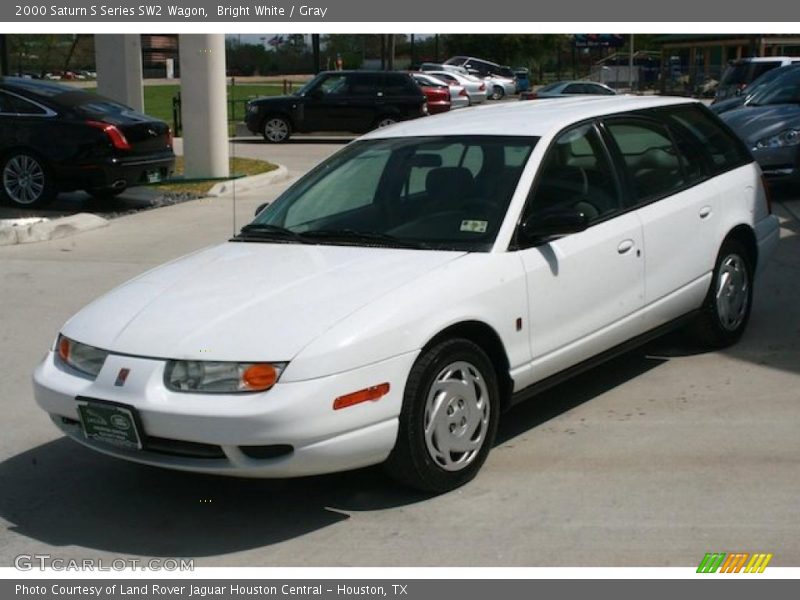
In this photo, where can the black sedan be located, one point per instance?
(56, 138)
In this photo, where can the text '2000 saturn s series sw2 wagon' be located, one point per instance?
(389, 305)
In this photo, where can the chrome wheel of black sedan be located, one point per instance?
(26, 182)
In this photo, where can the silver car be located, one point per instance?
(569, 88)
(458, 95)
(770, 126)
(499, 87)
(476, 88)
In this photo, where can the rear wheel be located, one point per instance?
(449, 417)
(277, 130)
(27, 182)
(497, 93)
(726, 310)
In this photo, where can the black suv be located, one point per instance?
(352, 101)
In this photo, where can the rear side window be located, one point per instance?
(399, 85)
(599, 90)
(652, 161)
(12, 104)
(724, 150)
(362, 85)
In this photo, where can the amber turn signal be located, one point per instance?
(366, 395)
(63, 348)
(260, 376)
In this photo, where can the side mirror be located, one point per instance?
(547, 226)
(261, 207)
(317, 94)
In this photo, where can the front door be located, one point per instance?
(584, 289)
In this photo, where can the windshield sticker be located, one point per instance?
(474, 226)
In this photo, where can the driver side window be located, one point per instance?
(576, 175)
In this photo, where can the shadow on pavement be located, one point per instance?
(574, 392)
(63, 494)
(70, 203)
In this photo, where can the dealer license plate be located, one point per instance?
(110, 424)
(153, 176)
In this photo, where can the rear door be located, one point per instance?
(669, 189)
(584, 289)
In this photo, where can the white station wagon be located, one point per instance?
(393, 302)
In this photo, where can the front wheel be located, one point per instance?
(449, 417)
(726, 310)
(277, 130)
(497, 93)
(27, 182)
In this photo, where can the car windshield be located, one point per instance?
(745, 72)
(448, 192)
(768, 78)
(784, 90)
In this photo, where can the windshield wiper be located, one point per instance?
(351, 235)
(267, 231)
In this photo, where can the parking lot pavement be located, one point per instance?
(651, 460)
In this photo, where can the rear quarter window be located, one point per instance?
(723, 149)
(400, 85)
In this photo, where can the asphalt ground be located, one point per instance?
(653, 459)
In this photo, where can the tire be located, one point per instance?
(497, 93)
(726, 309)
(26, 181)
(277, 130)
(440, 450)
(384, 121)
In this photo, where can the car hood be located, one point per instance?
(753, 123)
(275, 100)
(246, 301)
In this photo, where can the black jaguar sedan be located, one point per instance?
(56, 138)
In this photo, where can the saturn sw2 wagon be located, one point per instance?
(395, 300)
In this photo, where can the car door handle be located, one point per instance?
(625, 246)
(705, 212)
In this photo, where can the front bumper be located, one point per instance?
(779, 164)
(215, 433)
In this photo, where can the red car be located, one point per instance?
(438, 98)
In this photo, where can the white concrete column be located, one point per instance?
(204, 105)
(119, 68)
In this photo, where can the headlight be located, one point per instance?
(221, 377)
(788, 137)
(80, 357)
(252, 108)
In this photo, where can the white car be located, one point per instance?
(499, 87)
(395, 300)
